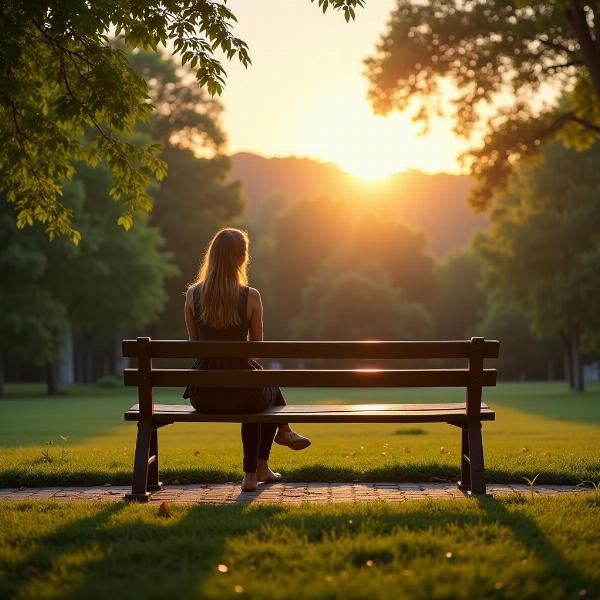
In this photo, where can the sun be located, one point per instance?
(368, 171)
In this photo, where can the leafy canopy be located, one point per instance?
(525, 72)
(542, 250)
(67, 94)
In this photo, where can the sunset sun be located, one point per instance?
(368, 170)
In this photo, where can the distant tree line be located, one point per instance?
(327, 268)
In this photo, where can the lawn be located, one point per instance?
(540, 428)
(514, 547)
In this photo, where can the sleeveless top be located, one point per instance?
(209, 398)
(236, 332)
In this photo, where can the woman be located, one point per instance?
(219, 305)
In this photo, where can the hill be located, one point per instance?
(435, 203)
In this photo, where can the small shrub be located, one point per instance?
(410, 431)
(62, 454)
(531, 483)
(110, 381)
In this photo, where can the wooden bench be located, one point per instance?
(467, 415)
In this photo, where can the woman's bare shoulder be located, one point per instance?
(253, 293)
(254, 301)
(189, 293)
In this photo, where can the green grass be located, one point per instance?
(490, 548)
(540, 428)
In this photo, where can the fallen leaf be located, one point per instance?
(164, 510)
(498, 585)
(29, 572)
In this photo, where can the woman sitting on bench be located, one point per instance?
(220, 306)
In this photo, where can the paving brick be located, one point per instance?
(296, 493)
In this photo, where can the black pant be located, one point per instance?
(257, 438)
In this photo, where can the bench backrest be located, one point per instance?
(473, 378)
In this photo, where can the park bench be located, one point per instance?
(466, 415)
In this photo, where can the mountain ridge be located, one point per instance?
(435, 203)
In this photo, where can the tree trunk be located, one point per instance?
(65, 371)
(568, 362)
(51, 385)
(1, 376)
(576, 364)
(88, 365)
(550, 369)
(120, 362)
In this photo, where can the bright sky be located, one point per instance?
(305, 94)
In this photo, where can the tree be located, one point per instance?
(111, 283)
(345, 236)
(114, 281)
(61, 78)
(30, 316)
(196, 197)
(522, 354)
(459, 301)
(524, 71)
(543, 246)
(355, 305)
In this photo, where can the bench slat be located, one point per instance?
(327, 408)
(342, 350)
(313, 414)
(311, 378)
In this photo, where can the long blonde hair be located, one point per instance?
(223, 272)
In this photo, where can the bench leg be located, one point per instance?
(465, 469)
(139, 487)
(154, 485)
(476, 459)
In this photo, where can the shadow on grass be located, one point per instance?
(420, 472)
(130, 548)
(550, 401)
(535, 541)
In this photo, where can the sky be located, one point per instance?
(305, 93)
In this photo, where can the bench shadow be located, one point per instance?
(535, 541)
(158, 557)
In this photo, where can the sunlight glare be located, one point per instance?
(368, 171)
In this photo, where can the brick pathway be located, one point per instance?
(292, 493)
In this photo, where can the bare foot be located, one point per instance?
(264, 474)
(249, 482)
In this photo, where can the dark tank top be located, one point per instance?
(225, 399)
(236, 332)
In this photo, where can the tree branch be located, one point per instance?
(589, 50)
(553, 68)
(565, 118)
